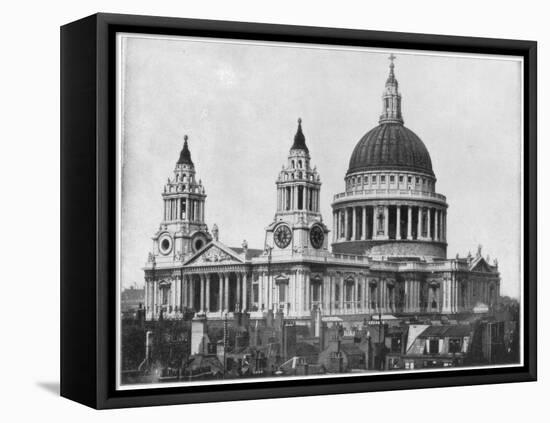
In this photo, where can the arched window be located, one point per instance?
(300, 164)
(292, 164)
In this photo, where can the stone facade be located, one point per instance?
(388, 252)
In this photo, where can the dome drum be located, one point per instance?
(397, 249)
(360, 224)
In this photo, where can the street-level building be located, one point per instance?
(386, 254)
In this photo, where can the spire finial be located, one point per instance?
(185, 155)
(299, 139)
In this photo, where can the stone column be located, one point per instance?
(307, 284)
(398, 223)
(202, 281)
(345, 210)
(386, 222)
(444, 226)
(226, 292)
(173, 294)
(244, 306)
(355, 296)
(207, 305)
(155, 290)
(436, 225)
(353, 223)
(364, 222)
(239, 281)
(429, 223)
(342, 293)
(374, 229)
(220, 292)
(337, 231)
(409, 222)
(334, 225)
(192, 292)
(419, 229)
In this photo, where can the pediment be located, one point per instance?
(480, 265)
(215, 253)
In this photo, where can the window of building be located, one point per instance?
(366, 179)
(282, 292)
(409, 365)
(401, 178)
(434, 346)
(392, 179)
(316, 291)
(373, 296)
(349, 292)
(382, 179)
(409, 179)
(300, 198)
(417, 180)
(373, 179)
(455, 345)
(395, 344)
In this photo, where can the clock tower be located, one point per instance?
(182, 231)
(298, 225)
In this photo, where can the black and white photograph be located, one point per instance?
(290, 210)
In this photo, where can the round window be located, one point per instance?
(165, 245)
(198, 244)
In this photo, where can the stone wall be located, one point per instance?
(392, 248)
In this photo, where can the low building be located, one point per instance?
(432, 346)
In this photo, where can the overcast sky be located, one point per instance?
(239, 103)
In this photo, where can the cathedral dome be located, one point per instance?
(390, 145)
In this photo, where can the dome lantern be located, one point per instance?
(391, 99)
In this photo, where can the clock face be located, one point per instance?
(283, 236)
(316, 236)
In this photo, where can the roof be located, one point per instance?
(185, 155)
(447, 331)
(299, 139)
(392, 146)
(250, 252)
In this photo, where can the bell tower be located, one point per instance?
(298, 203)
(183, 230)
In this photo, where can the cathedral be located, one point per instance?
(384, 257)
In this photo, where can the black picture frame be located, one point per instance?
(88, 210)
